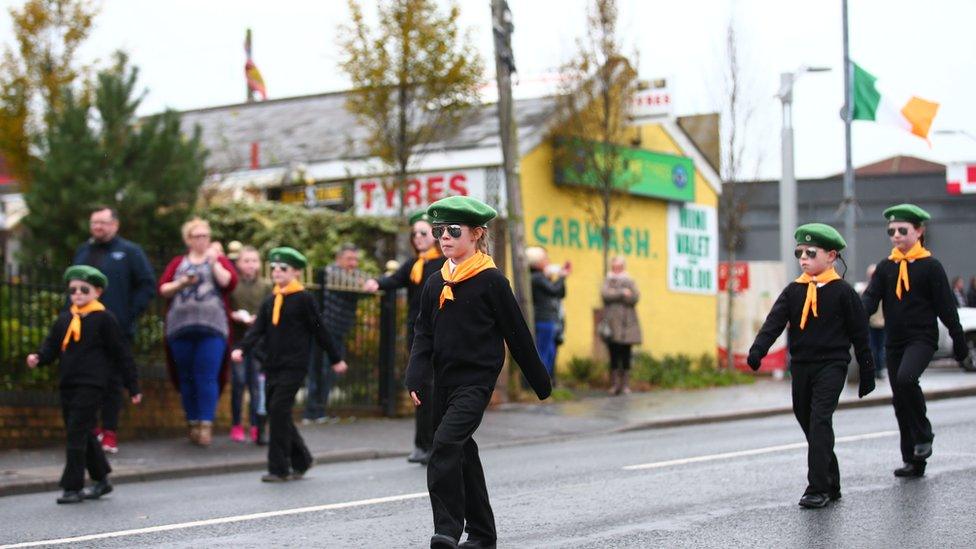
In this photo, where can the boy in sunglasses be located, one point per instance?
(825, 317)
(412, 275)
(92, 348)
(467, 315)
(287, 322)
(912, 287)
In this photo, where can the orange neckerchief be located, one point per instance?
(811, 281)
(468, 268)
(917, 252)
(417, 271)
(280, 293)
(74, 328)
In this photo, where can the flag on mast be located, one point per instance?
(875, 102)
(255, 83)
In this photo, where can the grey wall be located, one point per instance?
(951, 235)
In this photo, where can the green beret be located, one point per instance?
(289, 256)
(462, 210)
(419, 215)
(907, 212)
(86, 273)
(819, 234)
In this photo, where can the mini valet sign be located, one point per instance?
(692, 249)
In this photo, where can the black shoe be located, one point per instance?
(814, 501)
(274, 478)
(97, 490)
(911, 470)
(299, 475)
(923, 450)
(440, 541)
(417, 455)
(477, 544)
(71, 496)
(834, 496)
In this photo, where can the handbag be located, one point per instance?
(603, 329)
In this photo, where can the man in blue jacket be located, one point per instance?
(131, 286)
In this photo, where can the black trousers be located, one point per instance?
(455, 479)
(286, 448)
(816, 390)
(423, 437)
(619, 355)
(79, 406)
(113, 399)
(905, 366)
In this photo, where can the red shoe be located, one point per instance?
(254, 433)
(237, 433)
(109, 442)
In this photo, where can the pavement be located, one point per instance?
(349, 440)
(721, 485)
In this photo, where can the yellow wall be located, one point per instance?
(671, 322)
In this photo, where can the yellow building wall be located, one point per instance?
(671, 322)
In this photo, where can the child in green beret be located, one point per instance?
(913, 288)
(90, 343)
(467, 315)
(825, 317)
(288, 322)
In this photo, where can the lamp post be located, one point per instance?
(787, 184)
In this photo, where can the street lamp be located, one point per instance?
(787, 184)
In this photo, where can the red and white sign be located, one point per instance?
(380, 196)
(740, 273)
(961, 178)
(652, 102)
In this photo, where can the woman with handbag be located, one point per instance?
(620, 327)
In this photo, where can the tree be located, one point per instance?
(94, 150)
(414, 76)
(593, 112)
(35, 76)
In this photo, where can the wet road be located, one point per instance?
(720, 485)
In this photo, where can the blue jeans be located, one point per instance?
(545, 343)
(198, 358)
(876, 337)
(321, 379)
(246, 375)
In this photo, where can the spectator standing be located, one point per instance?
(245, 301)
(959, 291)
(971, 294)
(131, 286)
(620, 326)
(198, 287)
(548, 291)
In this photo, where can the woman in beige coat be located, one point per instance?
(620, 327)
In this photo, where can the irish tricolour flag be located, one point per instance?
(873, 101)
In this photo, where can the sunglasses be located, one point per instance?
(453, 230)
(901, 230)
(85, 290)
(811, 253)
(418, 233)
(275, 266)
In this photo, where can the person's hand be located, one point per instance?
(213, 252)
(567, 269)
(33, 360)
(416, 399)
(237, 356)
(754, 362)
(627, 292)
(961, 350)
(137, 398)
(371, 285)
(340, 367)
(866, 384)
(187, 280)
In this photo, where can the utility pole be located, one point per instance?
(850, 201)
(502, 27)
(249, 91)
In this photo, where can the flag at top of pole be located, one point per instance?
(255, 83)
(875, 102)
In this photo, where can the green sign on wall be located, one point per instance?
(638, 171)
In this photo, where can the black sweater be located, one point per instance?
(546, 295)
(401, 279)
(827, 337)
(288, 345)
(464, 342)
(91, 361)
(913, 317)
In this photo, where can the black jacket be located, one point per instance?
(91, 361)
(464, 343)
(131, 282)
(401, 279)
(913, 317)
(546, 295)
(288, 345)
(827, 337)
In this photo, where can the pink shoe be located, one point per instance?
(237, 433)
(109, 442)
(254, 433)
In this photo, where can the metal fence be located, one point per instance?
(32, 297)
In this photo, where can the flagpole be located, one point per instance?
(247, 50)
(850, 202)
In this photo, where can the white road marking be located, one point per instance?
(222, 520)
(753, 452)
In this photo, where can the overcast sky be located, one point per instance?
(190, 54)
